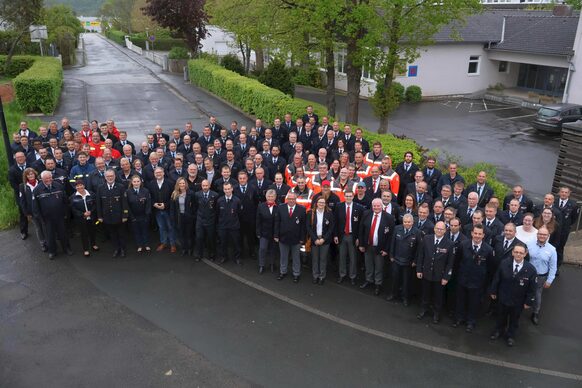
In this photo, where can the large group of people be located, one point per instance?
(297, 192)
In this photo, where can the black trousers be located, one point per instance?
(401, 277)
(468, 303)
(23, 222)
(117, 235)
(249, 234)
(87, 228)
(205, 236)
(508, 319)
(229, 237)
(55, 229)
(432, 292)
(185, 232)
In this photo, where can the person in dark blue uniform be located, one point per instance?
(514, 287)
(265, 227)
(51, 205)
(112, 210)
(205, 220)
(139, 206)
(475, 257)
(228, 224)
(83, 207)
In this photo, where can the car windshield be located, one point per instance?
(546, 112)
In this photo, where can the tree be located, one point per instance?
(278, 76)
(407, 26)
(119, 13)
(63, 30)
(19, 15)
(186, 17)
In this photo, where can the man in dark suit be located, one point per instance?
(525, 204)
(290, 232)
(492, 223)
(513, 214)
(570, 213)
(265, 227)
(206, 139)
(475, 257)
(228, 224)
(389, 206)
(205, 220)
(482, 188)
(309, 114)
(514, 288)
(15, 178)
(276, 161)
(432, 175)
(159, 134)
(455, 235)
(261, 183)
(423, 222)
(434, 265)
(348, 216)
(405, 170)
(281, 189)
(376, 231)
(373, 182)
(249, 197)
(214, 126)
(217, 184)
(112, 210)
(403, 251)
(466, 210)
(450, 178)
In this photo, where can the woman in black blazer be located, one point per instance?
(265, 226)
(320, 227)
(139, 204)
(83, 206)
(182, 213)
(25, 199)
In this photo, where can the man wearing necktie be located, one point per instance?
(376, 231)
(112, 210)
(475, 258)
(249, 198)
(228, 224)
(290, 232)
(570, 213)
(205, 221)
(514, 287)
(434, 266)
(265, 225)
(348, 216)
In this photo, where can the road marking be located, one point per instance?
(485, 104)
(495, 109)
(390, 337)
(517, 117)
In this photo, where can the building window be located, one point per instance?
(474, 64)
(503, 67)
(341, 62)
(368, 70)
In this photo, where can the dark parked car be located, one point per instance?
(551, 117)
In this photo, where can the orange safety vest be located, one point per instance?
(394, 180)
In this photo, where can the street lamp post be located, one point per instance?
(5, 134)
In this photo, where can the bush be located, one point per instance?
(232, 63)
(161, 44)
(413, 93)
(398, 91)
(278, 76)
(210, 57)
(8, 209)
(116, 36)
(39, 87)
(309, 76)
(18, 64)
(178, 53)
(24, 46)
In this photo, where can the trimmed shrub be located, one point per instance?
(116, 36)
(278, 76)
(232, 63)
(161, 44)
(178, 53)
(18, 64)
(39, 87)
(309, 76)
(398, 91)
(413, 93)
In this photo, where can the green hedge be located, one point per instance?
(161, 44)
(116, 36)
(18, 64)
(256, 99)
(39, 87)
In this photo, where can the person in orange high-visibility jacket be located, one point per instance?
(374, 157)
(304, 193)
(387, 173)
(96, 145)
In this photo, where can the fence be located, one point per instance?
(133, 47)
(158, 59)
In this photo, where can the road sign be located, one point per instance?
(37, 33)
(152, 38)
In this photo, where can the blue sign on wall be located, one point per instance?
(412, 71)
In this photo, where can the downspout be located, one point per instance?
(502, 31)
(571, 68)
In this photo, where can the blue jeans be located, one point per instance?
(165, 226)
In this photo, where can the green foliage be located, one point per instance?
(17, 65)
(413, 93)
(8, 209)
(278, 76)
(214, 58)
(23, 47)
(162, 44)
(382, 104)
(258, 100)
(232, 63)
(39, 87)
(65, 39)
(116, 36)
(81, 7)
(309, 76)
(178, 53)
(576, 4)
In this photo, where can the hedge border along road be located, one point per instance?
(258, 100)
(38, 88)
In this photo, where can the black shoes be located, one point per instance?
(281, 276)
(495, 335)
(353, 282)
(321, 281)
(405, 302)
(340, 280)
(436, 318)
(295, 279)
(69, 252)
(122, 252)
(51, 256)
(24, 236)
(535, 319)
(115, 254)
(377, 290)
(422, 314)
(222, 260)
(366, 284)
(238, 262)
(315, 280)
(510, 342)
(261, 270)
(391, 298)
(470, 328)
(457, 323)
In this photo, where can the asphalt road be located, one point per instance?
(100, 321)
(476, 131)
